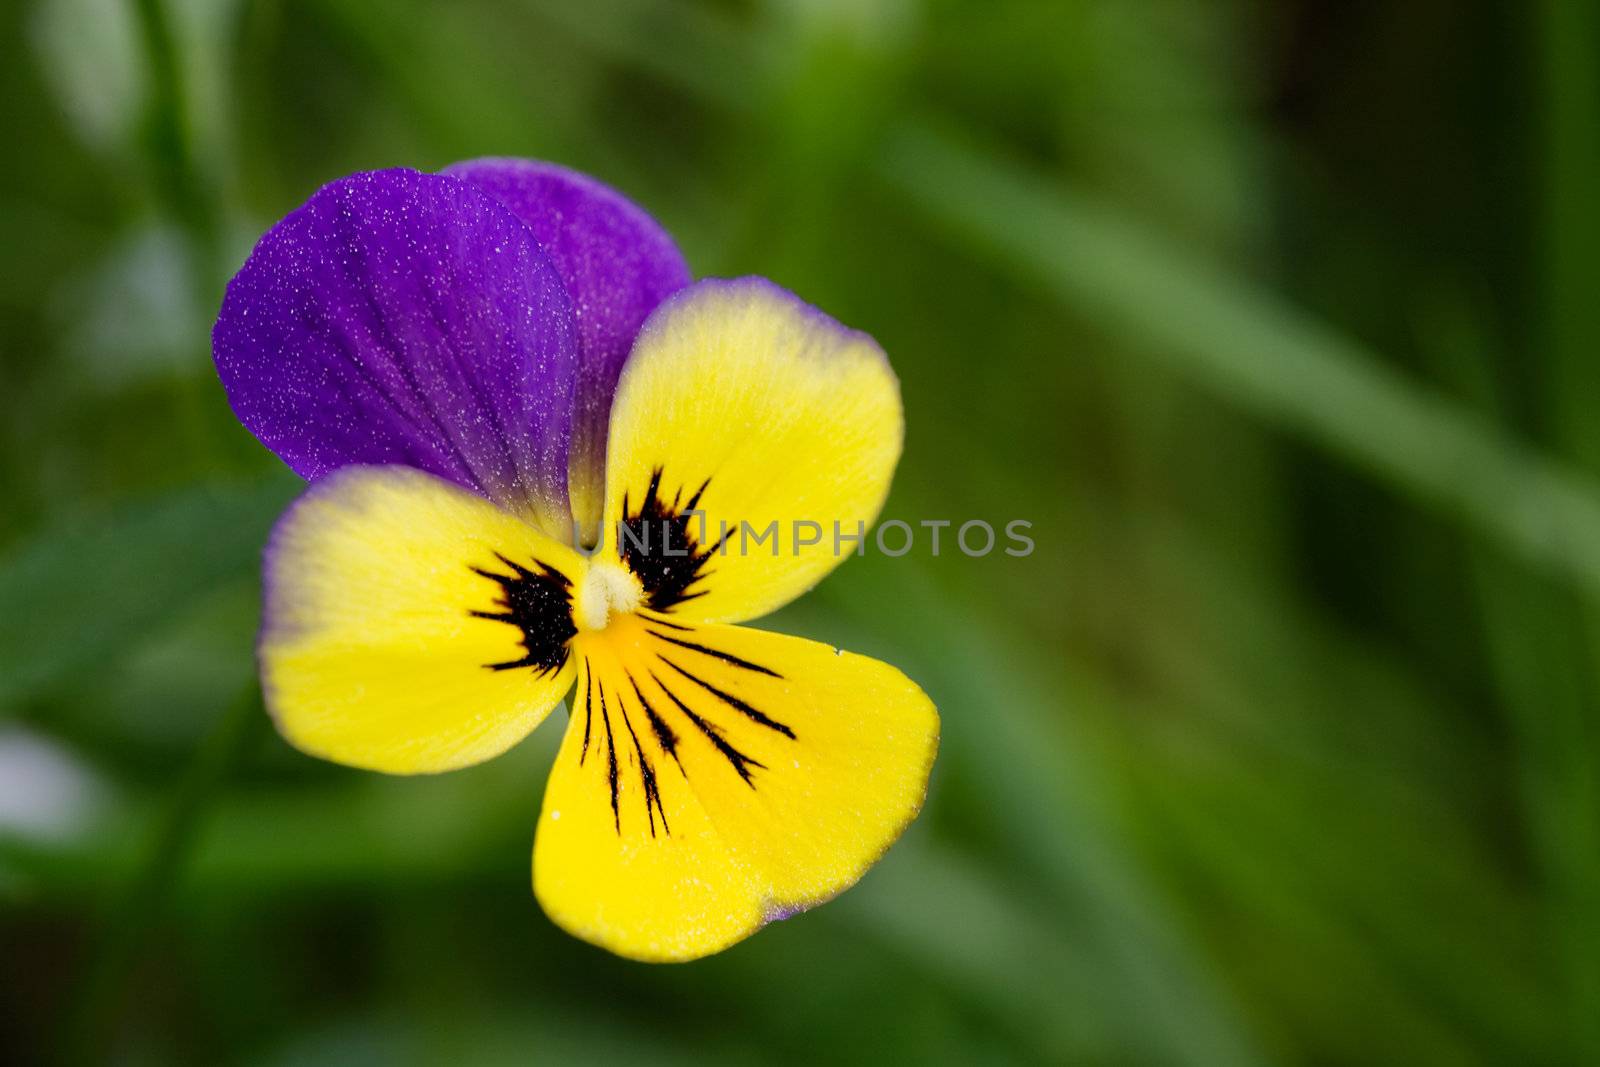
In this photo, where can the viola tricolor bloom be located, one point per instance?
(533, 444)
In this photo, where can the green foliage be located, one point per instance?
(1276, 321)
(80, 594)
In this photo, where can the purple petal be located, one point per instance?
(617, 263)
(407, 318)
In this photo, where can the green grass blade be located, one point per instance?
(1248, 347)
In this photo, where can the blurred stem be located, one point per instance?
(1568, 69)
(1533, 629)
(1567, 65)
(169, 140)
(139, 905)
(181, 189)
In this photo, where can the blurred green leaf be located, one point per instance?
(82, 593)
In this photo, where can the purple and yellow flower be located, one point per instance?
(542, 461)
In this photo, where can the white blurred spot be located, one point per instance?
(44, 790)
(90, 56)
(133, 316)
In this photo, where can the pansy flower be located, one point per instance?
(543, 462)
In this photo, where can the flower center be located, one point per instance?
(607, 590)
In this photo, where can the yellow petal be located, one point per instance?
(386, 640)
(779, 425)
(714, 778)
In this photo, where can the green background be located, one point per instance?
(1277, 320)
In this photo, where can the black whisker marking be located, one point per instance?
(647, 771)
(660, 543)
(539, 604)
(726, 657)
(697, 494)
(665, 737)
(741, 763)
(588, 708)
(668, 624)
(732, 701)
(495, 616)
(611, 751)
(526, 661)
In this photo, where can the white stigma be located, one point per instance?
(607, 590)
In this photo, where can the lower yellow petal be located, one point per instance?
(387, 642)
(714, 778)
